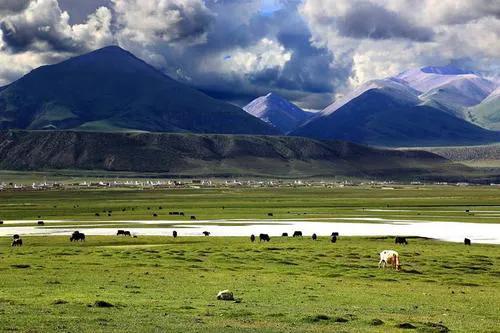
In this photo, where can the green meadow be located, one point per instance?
(162, 284)
(426, 203)
(155, 284)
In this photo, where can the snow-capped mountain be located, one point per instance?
(390, 86)
(277, 111)
(426, 106)
(448, 88)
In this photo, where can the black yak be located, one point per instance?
(264, 238)
(77, 236)
(401, 240)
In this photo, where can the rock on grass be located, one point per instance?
(406, 326)
(376, 322)
(59, 301)
(436, 327)
(317, 318)
(103, 304)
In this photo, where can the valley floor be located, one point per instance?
(287, 285)
(152, 283)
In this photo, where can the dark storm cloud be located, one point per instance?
(80, 9)
(369, 20)
(19, 37)
(308, 72)
(12, 6)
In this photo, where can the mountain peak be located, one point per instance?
(277, 111)
(110, 89)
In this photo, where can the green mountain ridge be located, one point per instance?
(112, 90)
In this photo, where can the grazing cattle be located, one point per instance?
(97, 214)
(15, 236)
(401, 240)
(269, 214)
(333, 239)
(206, 233)
(17, 242)
(181, 213)
(127, 233)
(297, 234)
(336, 234)
(1, 222)
(155, 215)
(77, 236)
(252, 238)
(40, 223)
(264, 238)
(120, 232)
(285, 234)
(193, 217)
(174, 233)
(390, 257)
(314, 237)
(467, 210)
(467, 241)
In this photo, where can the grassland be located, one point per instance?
(161, 284)
(287, 285)
(426, 203)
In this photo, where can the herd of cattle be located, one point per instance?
(387, 257)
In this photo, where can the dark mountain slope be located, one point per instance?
(112, 90)
(379, 118)
(228, 155)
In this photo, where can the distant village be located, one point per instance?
(210, 183)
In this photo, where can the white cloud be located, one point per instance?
(265, 54)
(169, 21)
(457, 30)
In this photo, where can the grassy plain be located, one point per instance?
(161, 284)
(426, 203)
(287, 285)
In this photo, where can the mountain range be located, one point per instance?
(426, 106)
(112, 90)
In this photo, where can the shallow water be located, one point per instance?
(447, 231)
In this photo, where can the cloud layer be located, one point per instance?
(306, 50)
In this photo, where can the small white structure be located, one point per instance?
(225, 295)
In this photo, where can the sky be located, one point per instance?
(309, 51)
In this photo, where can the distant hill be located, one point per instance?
(112, 90)
(277, 111)
(215, 155)
(487, 113)
(388, 114)
(487, 156)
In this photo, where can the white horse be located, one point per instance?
(390, 257)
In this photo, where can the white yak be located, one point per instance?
(390, 257)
